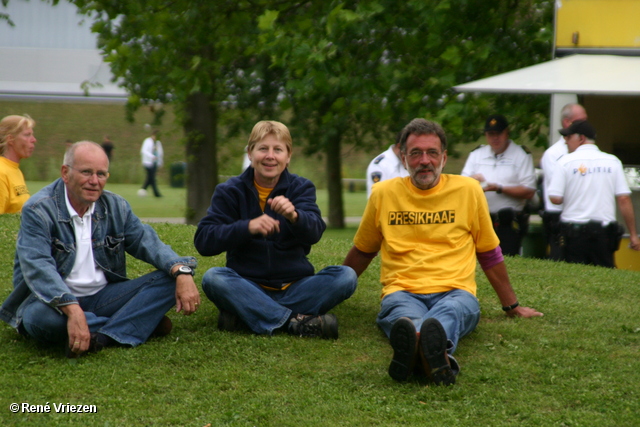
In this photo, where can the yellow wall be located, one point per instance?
(599, 23)
(626, 258)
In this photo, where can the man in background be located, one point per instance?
(505, 172)
(152, 159)
(107, 146)
(589, 183)
(549, 164)
(386, 165)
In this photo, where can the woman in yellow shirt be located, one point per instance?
(16, 143)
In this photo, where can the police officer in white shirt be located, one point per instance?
(505, 171)
(588, 182)
(386, 165)
(549, 163)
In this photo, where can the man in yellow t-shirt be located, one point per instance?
(429, 229)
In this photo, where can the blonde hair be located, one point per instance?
(265, 128)
(13, 125)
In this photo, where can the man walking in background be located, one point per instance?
(152, 159)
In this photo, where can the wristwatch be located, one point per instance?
(511, 307)
(183, 269)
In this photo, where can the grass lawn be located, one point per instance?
(576, 366)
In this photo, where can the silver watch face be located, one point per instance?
(185, 269)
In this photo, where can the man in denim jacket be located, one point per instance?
(70, 280)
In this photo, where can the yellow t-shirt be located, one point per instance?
(263, 193)
(13, 190)
(427, 238)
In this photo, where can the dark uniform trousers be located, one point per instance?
(590, 243)
(510, 226)
(551, 224)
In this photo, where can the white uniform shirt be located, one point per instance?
(385, 166)
(549, 164)
(513, 167)
(85, 277)
(589, 180)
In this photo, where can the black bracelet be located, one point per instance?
(499, 190)
(511, 307)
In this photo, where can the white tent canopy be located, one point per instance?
(576, 74)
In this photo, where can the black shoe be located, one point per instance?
(404, 341)
(97, 343)
(163, 329)
(322, 326)
(230, 322)
(433, 352)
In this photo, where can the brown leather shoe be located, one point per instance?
(163, 329)
(433, 353)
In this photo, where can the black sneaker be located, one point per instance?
(433, 352)
(404, 341)
(321, 326)
(230, 322)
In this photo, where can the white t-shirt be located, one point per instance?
(152, 153)
(589, 181)
(549, 164)
(512, 167)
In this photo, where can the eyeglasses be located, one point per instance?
(88, 173)
(417, 154)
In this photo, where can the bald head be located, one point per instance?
(85, 172)
(86, 148)
(571, 113)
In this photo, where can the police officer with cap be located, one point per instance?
(505, 171)
(589, 183)
(549, 164)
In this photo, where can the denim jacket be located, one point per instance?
(46, 248)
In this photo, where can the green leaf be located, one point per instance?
(267, 20)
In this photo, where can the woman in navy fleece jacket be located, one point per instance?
(266, 220)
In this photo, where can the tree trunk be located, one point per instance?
(334, 181)
(201, 121)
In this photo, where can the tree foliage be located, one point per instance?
(199, 56)
(358, 71)
(351, 70)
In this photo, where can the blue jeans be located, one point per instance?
(458, 311)
(126, 311)
(263, 311)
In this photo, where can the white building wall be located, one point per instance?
(50, 53)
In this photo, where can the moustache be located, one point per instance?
(426, 169)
